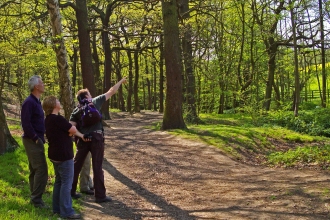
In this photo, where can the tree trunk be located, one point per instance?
(149, 94)
(130, 82)
(296, 71)
(61, 58)
(96, 65)
(84, 46)
(7, 142)
(136, 82)
(161, 76)
(74, 61)
(137, 69)
(173, 117)
(221, 103)
(270, 43)
(107, 73)
(121, 100)
(155, 87)
(324, 75)
(188, 59)
(130, 71)
(271, 73)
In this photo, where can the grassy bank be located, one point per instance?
(245, 139)
(14, 187)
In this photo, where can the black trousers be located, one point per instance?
(96, 147)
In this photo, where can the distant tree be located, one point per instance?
(173, 117)
(324, 76)
(296, 70)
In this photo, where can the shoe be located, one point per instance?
(88, 192)
(41, 205)
(75, 196)
(74, 216)
(106, 199)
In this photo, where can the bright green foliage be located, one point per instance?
(302, 155)
(315, 122)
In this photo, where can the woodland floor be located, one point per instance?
(154, 175)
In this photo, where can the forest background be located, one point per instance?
(180, 57)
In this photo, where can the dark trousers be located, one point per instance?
(96, 147)
(38, 169)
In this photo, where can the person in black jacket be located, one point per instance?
(60, 152)
(95, 146)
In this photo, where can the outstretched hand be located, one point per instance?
(123, 80)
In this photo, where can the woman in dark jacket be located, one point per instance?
(60, 152)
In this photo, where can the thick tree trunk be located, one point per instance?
(61, 57)
(85, 47)
(173, 117)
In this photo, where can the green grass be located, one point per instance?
(14, 187)
(302, 156)
(238, 135)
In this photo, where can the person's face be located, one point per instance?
(40, 86)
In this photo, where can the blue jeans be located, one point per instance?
(62, 202)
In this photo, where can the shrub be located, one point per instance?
(315, 122)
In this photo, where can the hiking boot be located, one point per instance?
(106, 199)
(41, 204)
(88, 192)
(75, 196)
(74, 216)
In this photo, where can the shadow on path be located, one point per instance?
(171, 210)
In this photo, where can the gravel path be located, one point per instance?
(155, 175)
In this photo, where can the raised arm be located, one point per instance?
(114, 88)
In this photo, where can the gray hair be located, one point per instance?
(33, 81)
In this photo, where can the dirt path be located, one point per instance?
(153, 175)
